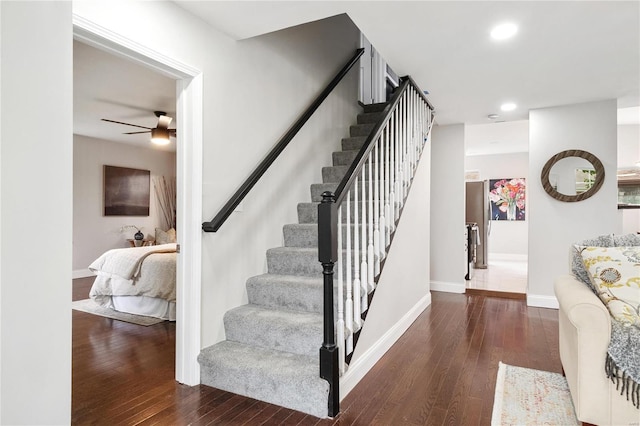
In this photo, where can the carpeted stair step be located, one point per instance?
(379, 107)
(285, 379)
(334, 174)
(343, 158)
(353, 144)
(294, 293)
(297, 261)
(369, 117)
(290, 331)
(294, 261)
(306, 235)
(308, 212)
(361, 129)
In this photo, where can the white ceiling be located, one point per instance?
(107, 86)
(564, 53)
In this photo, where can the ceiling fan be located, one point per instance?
(160, 134)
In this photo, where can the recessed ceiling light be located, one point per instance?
(492, 116)
(509, 106)
(504, 31)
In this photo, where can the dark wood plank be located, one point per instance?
(495, 293)
(441, 371)
(81, 288)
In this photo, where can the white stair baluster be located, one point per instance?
(340, 322)
(348, 272)
(379, 232)
(400, 177)
(396, 154)
(364, 279)
(382, 244)
(376, 208)
(357, 319)
(389, 209)
(387, 180)
(414, 130)
(403, 152)
(409, 138)
(370, 247)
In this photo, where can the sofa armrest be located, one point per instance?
(582, 307)
(584, 333)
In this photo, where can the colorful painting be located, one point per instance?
(507, 198)
(126, 191)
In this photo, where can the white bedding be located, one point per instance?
(139, 280)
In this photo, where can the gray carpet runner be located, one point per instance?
(271, 351)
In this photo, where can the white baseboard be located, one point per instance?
(448, 287)
(81, 273)
(508, 256)
(539, 301)
(361, 366)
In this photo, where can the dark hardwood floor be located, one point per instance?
(441, 371)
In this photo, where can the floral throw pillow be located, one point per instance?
(615, 275)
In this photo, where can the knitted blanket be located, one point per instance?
(622, 364)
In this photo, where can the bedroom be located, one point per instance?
(106, 86)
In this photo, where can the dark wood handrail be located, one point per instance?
(244, 189)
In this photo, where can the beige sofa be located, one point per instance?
(585, 328)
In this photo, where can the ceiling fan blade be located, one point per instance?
(164, 121)
(126, 124)
(136, 133)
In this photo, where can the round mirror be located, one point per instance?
(572, 175)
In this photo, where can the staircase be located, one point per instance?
(272, 348)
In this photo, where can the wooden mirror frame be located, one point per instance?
(597, 164)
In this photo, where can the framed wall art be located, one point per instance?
(126, 191)
(507, 198)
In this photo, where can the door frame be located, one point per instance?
(189, 95)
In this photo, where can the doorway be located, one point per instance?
(497, 172)
(189, 92)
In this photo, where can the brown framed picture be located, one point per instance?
(126, 191)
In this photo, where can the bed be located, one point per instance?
(138, 280)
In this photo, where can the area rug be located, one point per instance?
(531, 397)
(91, 307)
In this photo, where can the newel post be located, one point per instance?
(327, 255)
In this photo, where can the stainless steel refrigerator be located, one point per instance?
(478, 210)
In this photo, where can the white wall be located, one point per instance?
(295, 64)
(555, 225)
(254, 89)
(403, 288)
(94, 233)
(35, 212)
(628, 156)
(506, 237)
(447, 209)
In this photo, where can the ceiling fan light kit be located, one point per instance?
(160, 135)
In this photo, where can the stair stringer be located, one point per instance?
(403, 281)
